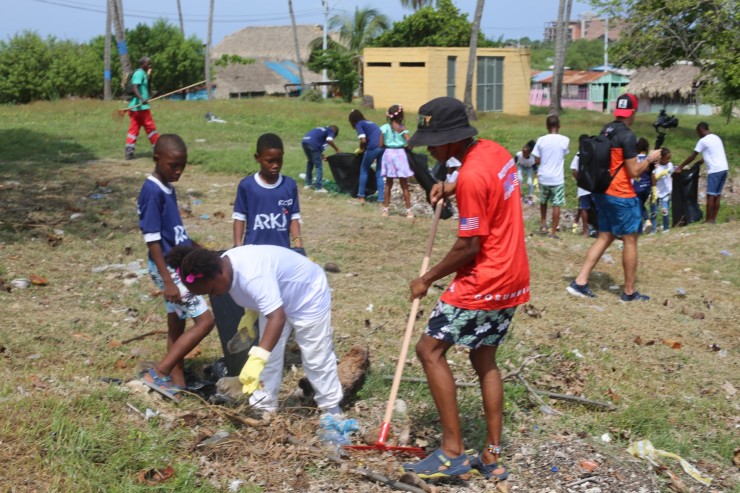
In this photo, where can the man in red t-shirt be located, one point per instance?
(492, 279)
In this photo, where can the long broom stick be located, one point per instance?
(118, 114)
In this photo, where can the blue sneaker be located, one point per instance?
(636, 296)
(580, 291)
(438, 465)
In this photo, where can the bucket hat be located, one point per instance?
(442, 121)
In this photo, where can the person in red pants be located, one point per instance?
(138, 108)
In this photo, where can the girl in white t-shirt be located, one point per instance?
(291, 294)
(663, 181)
(525, 168)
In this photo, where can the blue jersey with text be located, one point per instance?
(267, 209)
(316, 138)
(159, 215)
(371, 132)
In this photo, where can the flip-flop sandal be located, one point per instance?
(161, 384)
(486, 470)
(438, 465)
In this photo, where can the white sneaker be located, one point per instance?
(321, 190)
(306, 187)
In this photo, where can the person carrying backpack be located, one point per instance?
(618, 206)
(138, 108)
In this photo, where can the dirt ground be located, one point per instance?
(77, 227)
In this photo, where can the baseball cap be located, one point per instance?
(626, 105)
(442, 121)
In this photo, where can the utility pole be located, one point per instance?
(208, 52)
(179, 12)
(324, 46)
(106, 71)
(117, 11)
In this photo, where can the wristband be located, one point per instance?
(259, 352)
(299, 237)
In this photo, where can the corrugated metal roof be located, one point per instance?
(575, 77)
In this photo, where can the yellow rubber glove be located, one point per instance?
(653, 195)
(536, 185)
(250, 374)
(661, 174)
(247, 323)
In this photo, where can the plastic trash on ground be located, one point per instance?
(335, 430)
(645, 450)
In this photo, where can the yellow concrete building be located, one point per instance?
(413, 76)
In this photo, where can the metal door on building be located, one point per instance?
(490, 86)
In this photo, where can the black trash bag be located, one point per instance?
(427, 178)
(684, 198)
(345, 168)
(228, 315)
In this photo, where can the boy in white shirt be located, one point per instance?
(549, 155)
(713, 154)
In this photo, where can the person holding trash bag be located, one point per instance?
(292, 293)
(492, 279)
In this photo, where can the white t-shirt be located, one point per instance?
(267, 277)
(524, 162)
(574, 166)
(664, 184)
(713, 152)
(551, 149)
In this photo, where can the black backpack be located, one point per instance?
(594, 161)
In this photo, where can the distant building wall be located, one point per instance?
(413, 76)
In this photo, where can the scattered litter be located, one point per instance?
(332, 267)
(200, 141)
(680, 291)
(149, 414)
(302, 176)
(217, 437)
(196, 202)
(96, 196)
(153, 477)
(34, 356)
(533, 312)
(335, 430)
(369, 307)
(640, 342)
(726, 253)
(21, 283)
(588, 465)
(234, 485)
(613, 287)
(645, 450)
(606, 438)
(576, 353)
(131, 267)
(608, 259)
(554, 469)
(672, 343)
(204, 216)
(76, 215)
(211, 118)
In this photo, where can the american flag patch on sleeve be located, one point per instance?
(468, 223)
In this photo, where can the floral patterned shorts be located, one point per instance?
(469, 328)
(192, 304)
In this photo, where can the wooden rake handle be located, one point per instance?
(164, 95)
(410, 325)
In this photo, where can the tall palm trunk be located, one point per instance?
(297, 47)
(561, 46)
(475, 29)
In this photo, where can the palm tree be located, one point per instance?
(475, 29)
(297, 45)
(416, 4)
(357, 31)
(561, 45)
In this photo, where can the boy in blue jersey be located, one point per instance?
(162, 227)
(266, 209)
(314, 143)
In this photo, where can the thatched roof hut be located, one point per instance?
(269, 46)
(676, 82)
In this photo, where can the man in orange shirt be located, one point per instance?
(492, 279)
(619, 207)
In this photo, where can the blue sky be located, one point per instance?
(81, 20)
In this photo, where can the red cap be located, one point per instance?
(626, 105)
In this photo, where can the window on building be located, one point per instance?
(378, 64)
(490, 84)
(451, 73)
(412, 64)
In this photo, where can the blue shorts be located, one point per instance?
(192, 304)
(469, 328)
(618, 215)
(716, 182)
(586, 202)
